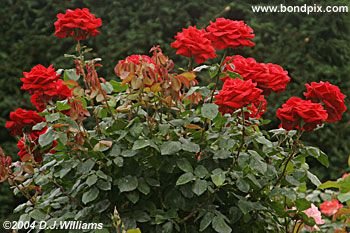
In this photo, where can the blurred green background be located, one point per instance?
(311, 47)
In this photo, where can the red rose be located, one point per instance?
(192, 42)
(226, 33)
(55, 91)
(21, 119)
(330, 96)
(39, 78)
(297, 112)
(78, 23)
(235, 94)
(269, 77)
(257, 108)
(330, 207)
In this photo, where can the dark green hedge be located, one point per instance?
(311, 47)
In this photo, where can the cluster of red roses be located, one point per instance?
(221, 34)
(259, 79)
(324, 103)
(45, 87)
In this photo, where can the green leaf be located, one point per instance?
(91, 180)
(302, 204)
(52, 117)
(143, 187)
(218, 178)
(169, 148)
(39, 126)
(318, 154)
(185, 178)
(137, 230)
(184, 165)
(118, 86)
(127, 184)
(242, 185)
(86, 166)
(329, 184)
(201, 171)
(209, 111)
(344, 197)
(101, 174)
(191, 147)
(90, 195)
(70, 74)
(47, 138)
(205, 222)
(220, 225)
(104, 185)
(199, 187)
(313, 179)
(139, 144)
(62, 105)
(37, 215)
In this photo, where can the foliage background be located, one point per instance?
(311, 47)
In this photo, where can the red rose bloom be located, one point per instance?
(226, 33)
(330, 96)
(236, 93)
(55, 91)
(269, 77)
(257, 108)
(329, 208)
(192, 42)
(78, 23)
(39, 78)
(21, 119)
(297, 112)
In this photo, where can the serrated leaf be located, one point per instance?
(209, 111)
(90, 195)
(185, 178)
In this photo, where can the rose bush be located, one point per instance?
(157, 152)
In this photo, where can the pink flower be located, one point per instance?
(314, 213)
